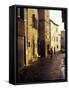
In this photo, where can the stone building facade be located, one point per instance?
(27, 36)
(33, 35)
(55, 37)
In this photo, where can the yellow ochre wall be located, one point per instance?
(32, 34)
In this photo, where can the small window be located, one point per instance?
(28, 44)
(34, 21)
(57, 46)
(18, 12)
(21, 13)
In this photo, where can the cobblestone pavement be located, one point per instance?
(44, 69)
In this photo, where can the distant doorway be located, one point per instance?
(48, 47)
(41, 48)
(33, 47)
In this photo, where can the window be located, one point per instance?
(28, 44)
(25, 14)
(34, 21)
(57, 46)
(18, 12)
(21, 13)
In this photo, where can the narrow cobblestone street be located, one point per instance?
(45, 69)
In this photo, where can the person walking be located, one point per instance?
(51, 52)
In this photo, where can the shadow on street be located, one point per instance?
(44, 69)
